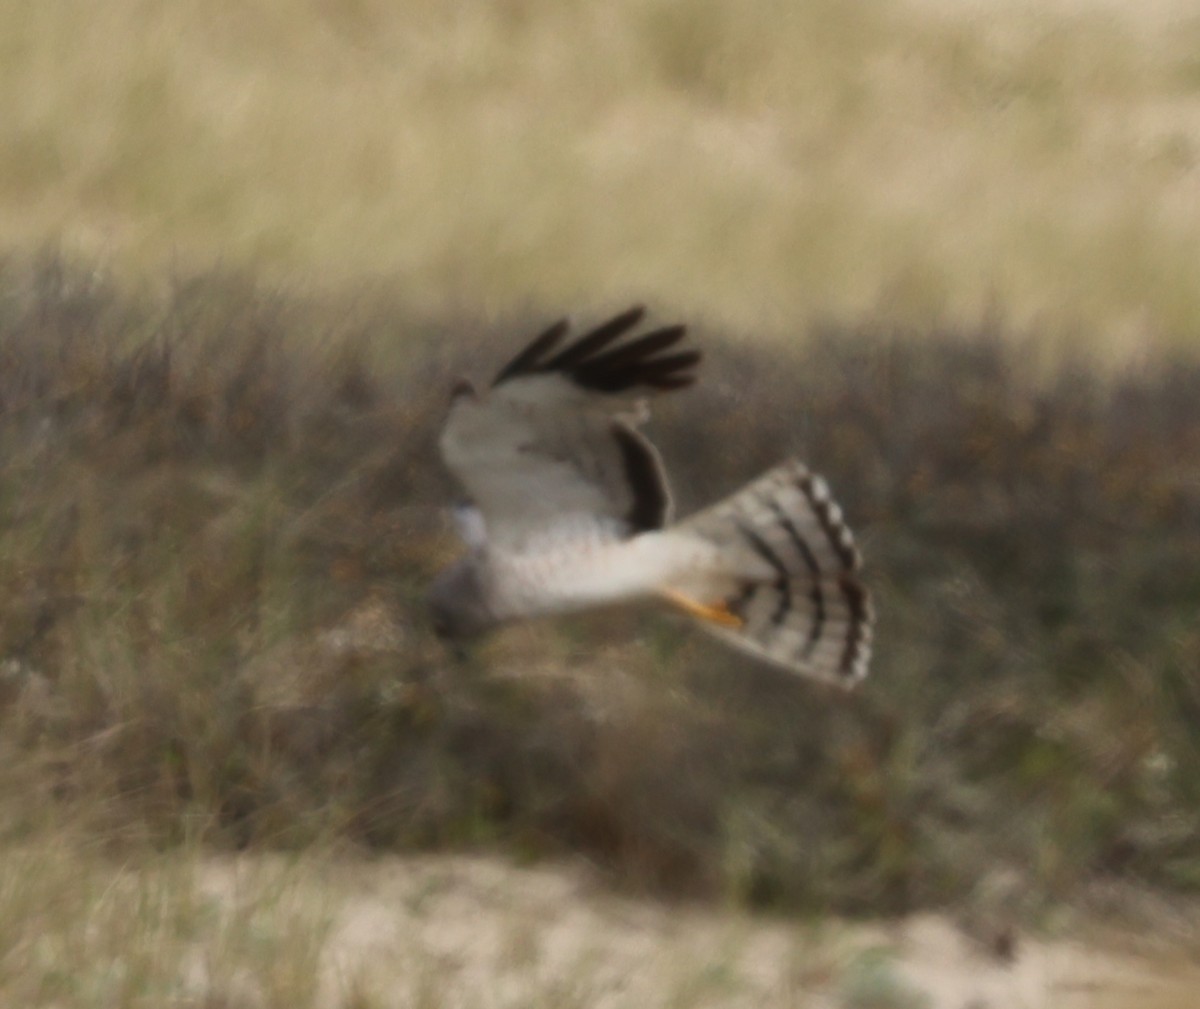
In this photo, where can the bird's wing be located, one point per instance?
(552, 448)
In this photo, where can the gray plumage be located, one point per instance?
(571, 509)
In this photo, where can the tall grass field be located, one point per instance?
(946, 253)
(755, 164)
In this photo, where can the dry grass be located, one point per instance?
(214, 536)
(218, 511)
(758, 163)
(218, 504)
(80, 930)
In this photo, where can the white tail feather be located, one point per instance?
(793, 566)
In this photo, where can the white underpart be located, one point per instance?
(576, 569)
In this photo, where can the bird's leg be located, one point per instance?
(714, 613)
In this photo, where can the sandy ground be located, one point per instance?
(462, 931)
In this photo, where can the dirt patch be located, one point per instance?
(465, 931)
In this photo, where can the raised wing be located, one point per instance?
(552, 449)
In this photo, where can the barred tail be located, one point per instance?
(793, 591)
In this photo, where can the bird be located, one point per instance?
(569, 508)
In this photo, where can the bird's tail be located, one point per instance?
(789, 590)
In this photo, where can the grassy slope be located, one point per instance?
(214, 539)
(758, 163)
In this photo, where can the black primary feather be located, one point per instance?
(526, 362)
(592, 361)
(595, 341)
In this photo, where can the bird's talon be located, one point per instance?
(715, 613)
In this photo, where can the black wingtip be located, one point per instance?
(529, 359)
(592, 343)
(597, 360)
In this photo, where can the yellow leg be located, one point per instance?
(716, 614)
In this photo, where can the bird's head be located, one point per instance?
(458, 608)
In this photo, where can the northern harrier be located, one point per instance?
(571, 510)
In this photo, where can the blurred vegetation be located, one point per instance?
(754, 161)
(219, 510)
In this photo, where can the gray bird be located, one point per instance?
(571, 510)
